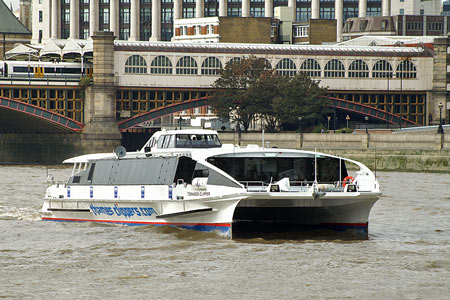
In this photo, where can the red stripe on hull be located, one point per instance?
(138, 222)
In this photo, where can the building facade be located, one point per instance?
(143, 20)
(399, 25)
(416, 7)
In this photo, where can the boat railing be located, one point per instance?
(255, 186)
(295, 186)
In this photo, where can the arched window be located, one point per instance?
(334, 69)
(161, 65)
(211, 66)
(311, 67)
(136, 64)
(187, 66)
(406, 69)
(382, 69)
(286, 67)
(234, 60)
(358, 69)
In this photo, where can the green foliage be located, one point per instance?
(319, 129)
(84, 82)
(248, 90)
(232, 98)
(344, 130)
(300, 97)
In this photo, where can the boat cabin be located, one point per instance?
(182, 139)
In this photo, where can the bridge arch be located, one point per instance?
(161, 112)
(341, 104)
(21, 117)
(370, 111)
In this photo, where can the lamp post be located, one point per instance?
(440, 128)
(300, 131)
(329, 118)
(347, 118)
(367, 119)
(180, 121)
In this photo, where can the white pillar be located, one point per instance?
(134, 20)
(93, 16)
(114, 17)
(156, 20)
(55, 12)
(268, 8)
(339, 16)
(177, 9)
(74, 19)
(315, 8)
(199, 8)
(362, 8)
(293, 5)
(223, 8)
(245, 8)
(385, 8)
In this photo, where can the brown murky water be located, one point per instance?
(406, 257)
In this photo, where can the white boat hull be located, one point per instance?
(203, 215)
(219, 214)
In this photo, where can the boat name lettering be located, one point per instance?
(122, 211)
(199, 194)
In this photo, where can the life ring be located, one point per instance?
(348, 179)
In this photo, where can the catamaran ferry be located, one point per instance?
(188, 178)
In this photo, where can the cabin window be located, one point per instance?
(298, 170)
(185, 169)
(197, 141)
(169, 141)
(161, 141)
(91, 172)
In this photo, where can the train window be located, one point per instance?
(20, 69)
(49, 70)
(71, 70)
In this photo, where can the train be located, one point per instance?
(26, 70)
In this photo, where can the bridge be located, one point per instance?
(21, 117)
(345, 105)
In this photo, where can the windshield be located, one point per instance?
(197, 141)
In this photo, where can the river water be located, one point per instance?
(407, 255)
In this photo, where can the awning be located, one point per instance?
(22, 50)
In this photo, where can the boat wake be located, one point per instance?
(19, 213)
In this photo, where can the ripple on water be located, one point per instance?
(405, 257)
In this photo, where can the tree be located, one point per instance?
(302, 97)
(284, 99)
(247, 90)
(232, 98)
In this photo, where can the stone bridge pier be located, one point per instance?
(101, 133)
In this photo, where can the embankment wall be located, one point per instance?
(391, 152)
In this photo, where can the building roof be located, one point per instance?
(378, 40)
(9, 23)
(269, 49)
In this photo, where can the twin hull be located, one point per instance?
(219, 213)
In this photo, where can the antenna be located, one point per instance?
(120, 152)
